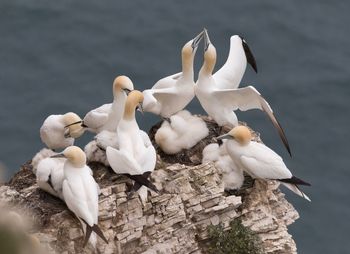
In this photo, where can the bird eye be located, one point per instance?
(127, 91)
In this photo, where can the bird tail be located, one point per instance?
(296, 190)
(96, 229)
(295, 180)
(142, 180)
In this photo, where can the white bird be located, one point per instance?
(172, 94)
(232, 175)
(136, 156)
(183, 132)
(258, 160)
(80, 191)
(220, 103)
(49, 176)
(107, 116)
(55, 133)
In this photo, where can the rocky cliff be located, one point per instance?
(191, 198)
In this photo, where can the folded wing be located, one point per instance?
(122, 163)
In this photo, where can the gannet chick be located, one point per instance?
(220, 103)
(56, 135)
(136, 156)
(232, 175)
(183, 132)
(172, 94)
(80, 191)
(95, 150)
(49, 176)
(108, 116)
(258, 160)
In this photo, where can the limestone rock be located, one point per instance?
(174, 221)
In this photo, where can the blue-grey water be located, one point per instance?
(60, 56)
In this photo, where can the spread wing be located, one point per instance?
(167, 81)
(153, 96)
(247, 98)
(97, 117)
(122, 163)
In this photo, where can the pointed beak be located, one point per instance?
(206, 39)
(197, 40)
(60, 155)
(81, 122)
(140, 108)
(225, 136)
(249, 55)
(127, 91)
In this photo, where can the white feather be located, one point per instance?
(52, 169)
(261, 162)
(135, 154)
(183, 132)
(42, 154)
(52, 133)
(231, 73)
(232, 176)
(95, 154)
(80, 192)
(172, 94)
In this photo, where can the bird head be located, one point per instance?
(190, 48)
(240, 133)
(73, 125)
(133, 102)
(122, 84)
(74, 155)
(209, 50)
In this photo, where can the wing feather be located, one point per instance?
(248, 98)
(97, 117)
(122, 163)
(265, 166)
(75, 198)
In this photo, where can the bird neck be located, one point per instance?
(187, 66)
(207, 67)
(129, 111)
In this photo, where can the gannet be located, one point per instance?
(108, 116)
(258, 160)
(220, 103)
(232, 175)
(56, 135)
(183, 131)
(136, 156)
(172, 94)
(80, 191)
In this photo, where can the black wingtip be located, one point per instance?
(295, 180)
(282, 135)
(142, 180)
(249, 55)
(88, 234)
